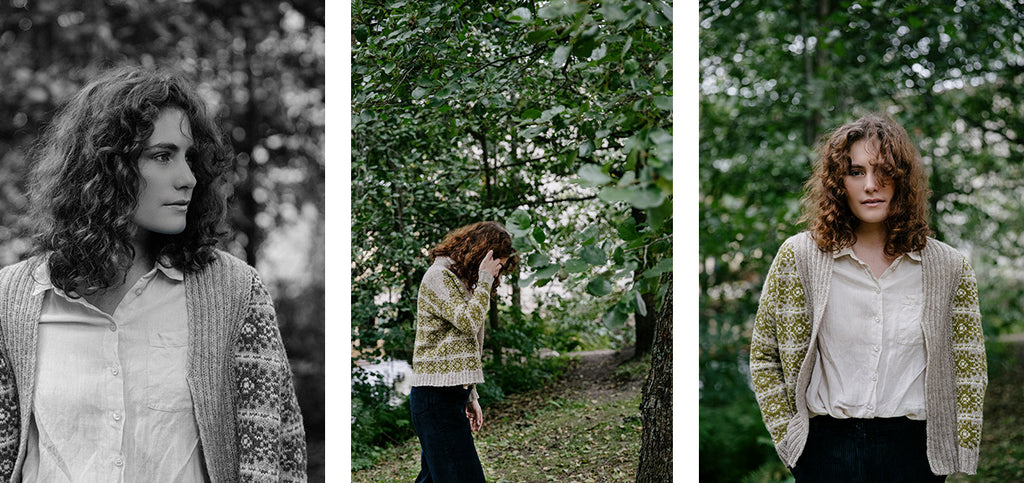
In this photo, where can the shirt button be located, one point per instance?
(113, 327)
(871, 407)
(138, 291)
(878, 290)
(114, 371)
(117, 417)
(876, 348)
(118, 462)
(874, 377)
(878, 319)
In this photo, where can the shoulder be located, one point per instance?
(937, 252)
(800, 246)
(20, 272)
(227, 269)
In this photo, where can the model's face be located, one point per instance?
(165, 178)
(867, 192)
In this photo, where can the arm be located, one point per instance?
(442, 290)
(766, 368)
(970, 368)
(270, 435)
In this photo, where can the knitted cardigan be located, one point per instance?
(250, 427)
(783, 352)
(450, 328)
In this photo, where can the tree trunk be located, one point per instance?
(656, 405)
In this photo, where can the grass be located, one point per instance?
(543, 435)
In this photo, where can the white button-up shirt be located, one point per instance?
(111, 402)
(871, 357)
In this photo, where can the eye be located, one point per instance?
(162, 156)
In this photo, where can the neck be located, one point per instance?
(146, 248)
(872, 235)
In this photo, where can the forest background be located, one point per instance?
(554, 118)
(774, 77)
(260, 67)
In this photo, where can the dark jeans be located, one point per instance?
(858, 450)
(446, 441)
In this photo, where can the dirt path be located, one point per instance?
(596, 373)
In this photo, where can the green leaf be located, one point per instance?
(547, 272)
(520, 15)
(560, 56)
(647, 197)
(663, 102)
(627, 230)
(613, 194)
(641, 307)
(656, 217)
(531, 114)
(592, 175)
(575, 265)
(593, 255)
(390, 66)
(538, 234)
(519, 223)
(538, 259)
(599, 287)
(664, 265)
(419, 92)
(586, 149)
(539, 35)
(614, 319)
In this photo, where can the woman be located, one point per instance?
(867, 355)
(453, 301)
(132, 349)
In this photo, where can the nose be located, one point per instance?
(185, 178)
(870, 182)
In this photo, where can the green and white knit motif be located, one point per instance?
(449, 329)
(782, 336)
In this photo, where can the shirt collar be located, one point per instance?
(41, 275)
(914, 255)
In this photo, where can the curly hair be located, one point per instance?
(826, 208)
(85, 182)
(467, 247)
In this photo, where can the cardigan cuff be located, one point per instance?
(485, 279)
(968, 460)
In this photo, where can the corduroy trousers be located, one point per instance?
(446, 440)
(860, 450)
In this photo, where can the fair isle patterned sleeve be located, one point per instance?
(9, 418)
(971, 371)
(271, 439)
(444, 299)
(782, 293)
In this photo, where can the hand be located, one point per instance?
(475, 416)
(491, 265)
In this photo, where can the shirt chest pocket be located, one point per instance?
(166, 365)
(908, 321)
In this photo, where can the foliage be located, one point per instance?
(376, 424)
(775, 76)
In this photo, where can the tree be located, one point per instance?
(656, 408)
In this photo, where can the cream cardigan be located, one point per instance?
(782, 351)
(250, 427)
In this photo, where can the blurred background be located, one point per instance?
(260, 67)
(774, 77)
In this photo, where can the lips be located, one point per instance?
(178, 203)
(872, 202)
